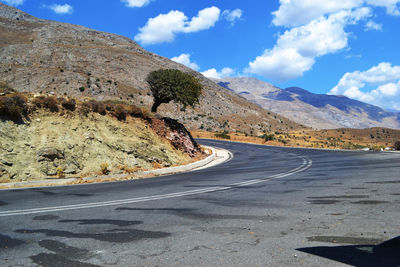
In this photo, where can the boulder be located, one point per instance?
(6, 162)
(50, 154)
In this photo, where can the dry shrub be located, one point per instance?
(104, 168)
(109, 107)
(129, 170)
(134, 111)
(93, 106)
(60, 172)
(69, 104)
(13, 107)
(38, 101)
(85, 108)
(98, 107)
(49, 102)
(120, 112)
(156, 165)
(137, 112)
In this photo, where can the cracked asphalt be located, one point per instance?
(341, 210)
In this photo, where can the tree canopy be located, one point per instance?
(174, 85)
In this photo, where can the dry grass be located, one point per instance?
(374, 138)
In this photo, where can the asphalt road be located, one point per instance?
(267, 206)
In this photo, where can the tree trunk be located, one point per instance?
(156, 104)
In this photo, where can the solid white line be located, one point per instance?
(306, 164)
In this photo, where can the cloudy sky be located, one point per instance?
(344, 47)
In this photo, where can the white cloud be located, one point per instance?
(373, 26)
(213, 73)
(280, 64)
(204, 20)
(61, 9)
(135, 3)
(13, 2)
(296, 49)
(392, 6)
(164, 27)
(384, 79)
(185, 60)
(301, 12)
(232, 16)
(314, 28)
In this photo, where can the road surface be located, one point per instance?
(267, 206)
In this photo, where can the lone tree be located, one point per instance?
(174, 85)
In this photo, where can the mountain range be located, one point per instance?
(319, 111)
(42, 56)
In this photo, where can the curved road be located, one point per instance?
(267, 206)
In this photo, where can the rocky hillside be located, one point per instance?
(45, 136)
(319, 111)
(46, 56)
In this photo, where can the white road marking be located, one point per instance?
(307, 163)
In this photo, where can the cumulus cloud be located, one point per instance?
(373, 26)
(392, 6)
(296, 49)
(13, 2)
(185, 60)
(300, 12)
(314, 28)
(135, 3)
(213, 73)
(232, 16)
(164, 27)
(61, 9)
(380, 85)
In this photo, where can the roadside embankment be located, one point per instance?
(216, 157)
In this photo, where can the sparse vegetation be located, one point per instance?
(268, 137)
(331, 139)
(13, 107)
(174, 85)
(120, 112)
(60, 172)
(223, 135)
(104, 168)
(69, 104)
(48, 102)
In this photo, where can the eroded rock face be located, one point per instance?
(49, 153)
(59, 142)
(177, 134)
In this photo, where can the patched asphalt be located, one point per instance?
(342, 209)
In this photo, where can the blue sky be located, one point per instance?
(344, 47)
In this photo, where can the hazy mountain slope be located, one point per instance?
(38, 55)
(314, 110)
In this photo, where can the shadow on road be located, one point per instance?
(384, 254)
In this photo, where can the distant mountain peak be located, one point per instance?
(314, 110)
(297, 90)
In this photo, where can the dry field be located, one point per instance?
(373, 138)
